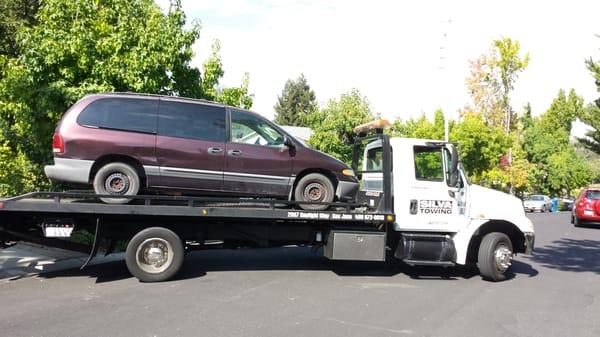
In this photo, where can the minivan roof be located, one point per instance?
(187, 99)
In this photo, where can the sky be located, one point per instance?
(406, 57)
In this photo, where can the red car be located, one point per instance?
(587, 208)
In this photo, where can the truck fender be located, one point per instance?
(463, 239)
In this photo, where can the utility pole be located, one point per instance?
(444, 24)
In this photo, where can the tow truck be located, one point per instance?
(415, 205)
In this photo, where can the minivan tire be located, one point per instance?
(116, 179)
(314, 187)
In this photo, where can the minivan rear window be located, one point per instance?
(132, 114)
(191, 120)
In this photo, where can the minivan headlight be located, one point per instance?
(348, 172)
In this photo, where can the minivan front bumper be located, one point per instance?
(69, 170)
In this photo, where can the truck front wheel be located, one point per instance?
(154, 254)
(495, 256)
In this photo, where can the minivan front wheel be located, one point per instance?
(314, 187)
(116, 179)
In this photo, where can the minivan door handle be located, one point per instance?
(234, 152)
(214, 150)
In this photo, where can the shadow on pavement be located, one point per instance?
(570, 255)
(199, 263)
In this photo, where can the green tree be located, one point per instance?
(213, 72)
(492, 78)
(79, 47)
(420, 127)
(559, 168)
(333, 125)
(591, 115)
(564, 110)
(296, 101)
(481, 146)
(16, 14)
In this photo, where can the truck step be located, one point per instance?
(428, 263)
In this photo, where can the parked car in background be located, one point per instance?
(125, 143)
(566, 203)
(586, 209)
(537, 202)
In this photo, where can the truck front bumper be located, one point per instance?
(346, 190)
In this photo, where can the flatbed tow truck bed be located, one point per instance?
(80, 204)
(55, 218)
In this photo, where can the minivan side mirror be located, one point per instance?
(287, 141)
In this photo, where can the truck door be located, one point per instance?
(432, 205)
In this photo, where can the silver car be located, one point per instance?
(537, 202)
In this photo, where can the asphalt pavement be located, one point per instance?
(294, 292)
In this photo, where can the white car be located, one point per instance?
(537, 202)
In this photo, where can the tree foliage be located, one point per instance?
(297, 100)
(15, 14)
(333, 125)
(77, 47)
(559, 168)
(213, 72)
(491, 80)
(591, 116)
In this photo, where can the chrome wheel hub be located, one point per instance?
(154, 255)
(502, 258)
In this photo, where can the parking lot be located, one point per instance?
(292, 291)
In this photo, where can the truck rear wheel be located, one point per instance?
(495, 256)
(154, 254)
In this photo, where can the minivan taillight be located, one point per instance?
(58, 146)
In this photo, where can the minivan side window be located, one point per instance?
(191, 120)
(131, 114)
(249, 129)
(428, 163)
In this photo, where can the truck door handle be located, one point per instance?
(214, 150)
(234, 153)
(413, 206)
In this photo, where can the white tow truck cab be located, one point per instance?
(440, 217)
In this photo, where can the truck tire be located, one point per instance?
(495, 256)
(314, 187)
(155, 254)
(116, 179)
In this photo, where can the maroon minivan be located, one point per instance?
(123, 143)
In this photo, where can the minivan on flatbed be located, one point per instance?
(126, 143)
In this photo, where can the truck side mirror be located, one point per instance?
(453, 169)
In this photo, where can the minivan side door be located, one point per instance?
(190, 145)
(257, 161)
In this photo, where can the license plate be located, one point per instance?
(58, 228)
(588, 212)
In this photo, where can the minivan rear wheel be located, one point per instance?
(314, 187)
(116, 179)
